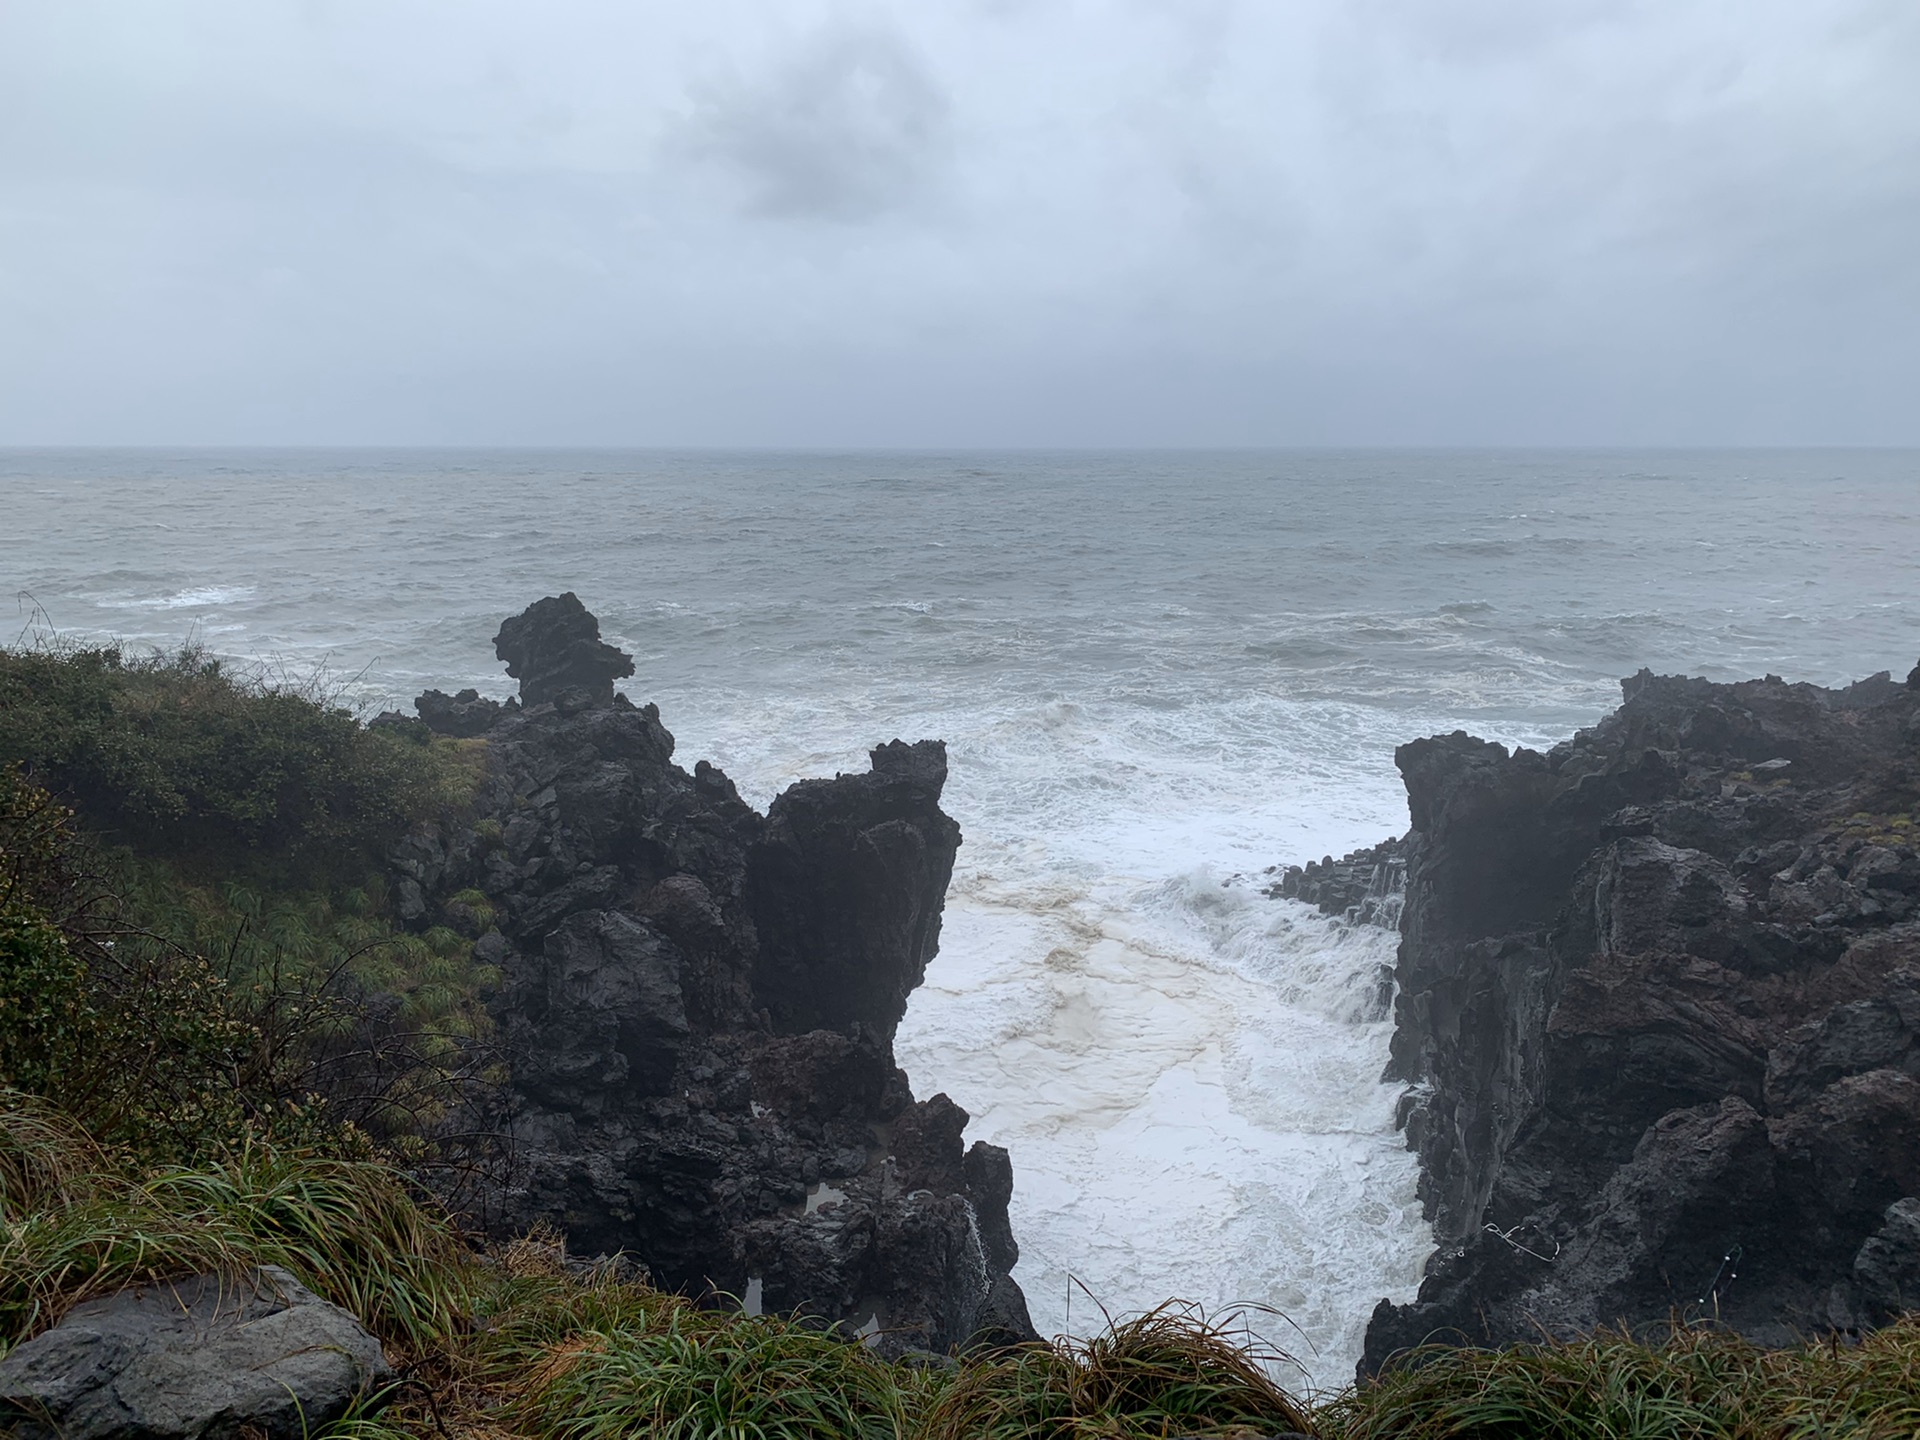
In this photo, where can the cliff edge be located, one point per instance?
(1658, 1007)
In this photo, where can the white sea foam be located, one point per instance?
(1188, 1078)
(200, 597)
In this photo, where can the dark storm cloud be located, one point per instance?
(849, 128)
(960, 221)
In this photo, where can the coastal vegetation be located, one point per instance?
(209, 841)
(220, 1048)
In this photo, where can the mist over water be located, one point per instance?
(1157, 675)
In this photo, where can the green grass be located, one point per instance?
(78, 1221)
(1168, 1372)
(692, 1375)
(1696, 1384)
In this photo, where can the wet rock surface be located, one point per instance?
(1659, 1011)
(698, 1003)
(205, 1358)
(1364, 887)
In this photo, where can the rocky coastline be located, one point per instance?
(1658, 1011)
(698, 1004)
(1656, 1003)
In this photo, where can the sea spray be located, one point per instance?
(1188, 1077)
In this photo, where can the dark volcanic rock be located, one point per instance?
(205, 1358)
(463, 716)
(554, 645)
(845, 888)
(1886, 1272)
(699, 1004)
(1364, 886)
(1659, 1009)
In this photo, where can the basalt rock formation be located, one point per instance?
(698, 1002)
(1363, 887)
(1659, 1011)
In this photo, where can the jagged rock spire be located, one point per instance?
(555, 645)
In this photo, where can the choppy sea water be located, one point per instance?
(1157, 676)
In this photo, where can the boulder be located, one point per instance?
(1887, 1269)
(205, 1358)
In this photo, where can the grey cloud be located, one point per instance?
(851, 127)
(768, 222)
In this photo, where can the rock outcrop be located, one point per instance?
(464, 716)
(699, 1004)
(206, 1358)
(1363, 887)
(554, 645)
(1659, 1011)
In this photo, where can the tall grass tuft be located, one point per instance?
(1168, 1372)
(700, 1376)
(47, 1162)
(76, 1222)
(1697, 1383)
(350, 1229)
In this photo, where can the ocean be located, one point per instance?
(1157, 675)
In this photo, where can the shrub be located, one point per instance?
(224, 964)
(136, 1040)
(178, 750)
(319, 1023)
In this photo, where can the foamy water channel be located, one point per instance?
(1189, 1080)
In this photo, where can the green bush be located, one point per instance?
(138, 1040)
(223, 951)
(177, 751)
(45, 1019)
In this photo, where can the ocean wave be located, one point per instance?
(200, 597)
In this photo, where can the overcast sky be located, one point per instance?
(960, 222)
